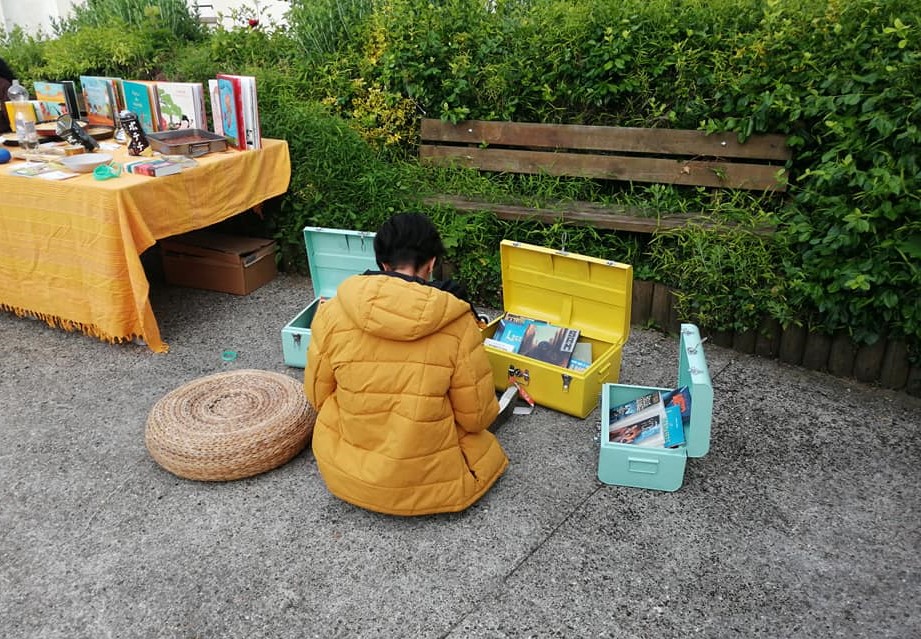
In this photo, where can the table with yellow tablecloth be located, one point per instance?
(70, 250)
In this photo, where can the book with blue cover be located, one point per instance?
(140, 99)
(511, 331)
(231, 112)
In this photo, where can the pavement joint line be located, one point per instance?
(722, 370)
(520, 562)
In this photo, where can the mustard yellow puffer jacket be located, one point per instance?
(404, 392)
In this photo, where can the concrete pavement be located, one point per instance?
(802, 521)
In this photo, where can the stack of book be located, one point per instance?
(542, 341)
(654, 420)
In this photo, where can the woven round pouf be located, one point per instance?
(230, 425)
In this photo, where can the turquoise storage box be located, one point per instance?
(569, 290)
(660, 468)
(332, 255)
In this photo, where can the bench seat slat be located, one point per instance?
(681, 142)
(614, 218)
(758, 177)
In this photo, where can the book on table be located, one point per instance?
(238, 106)
(214, 92)
(43, 170)
(152, 167)
(59, 97)
(102, 97)
(181, 105)
(52, 100)
(231, 109)
(142, 99)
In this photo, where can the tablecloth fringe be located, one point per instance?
(59, 322)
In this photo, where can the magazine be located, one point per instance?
(651, 428)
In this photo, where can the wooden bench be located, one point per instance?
(663, 156)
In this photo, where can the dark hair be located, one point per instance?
(407, 239)
(5, 72)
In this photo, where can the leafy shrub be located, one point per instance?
(337, 179)
(23, 52)
(113, 50)
(173, 17)
(725, 277)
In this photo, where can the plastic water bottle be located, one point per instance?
(25, 127)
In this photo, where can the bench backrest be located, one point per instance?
(665, 156)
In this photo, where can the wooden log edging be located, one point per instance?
(884, 363)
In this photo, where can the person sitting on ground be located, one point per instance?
(403, 389)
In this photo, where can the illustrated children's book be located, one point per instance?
(29, 112)
(232, 112)
(102, 97)
(214, 92)
(53, 100)
(182, 105)
(141, 99)
(245, 102)
(231, 108)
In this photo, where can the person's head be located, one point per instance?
(408, 242)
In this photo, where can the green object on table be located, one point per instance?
(107, 171)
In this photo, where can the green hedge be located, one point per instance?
(348, 80)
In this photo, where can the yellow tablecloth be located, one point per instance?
(70, 249)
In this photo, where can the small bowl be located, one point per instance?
(85, 162)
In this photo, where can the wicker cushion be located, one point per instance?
(230, 425)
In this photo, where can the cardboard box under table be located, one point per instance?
(660, 468)
(332, 255)
(218, 262)
(571, 291)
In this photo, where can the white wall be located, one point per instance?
(33, 15)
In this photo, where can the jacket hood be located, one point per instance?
(398, 308)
